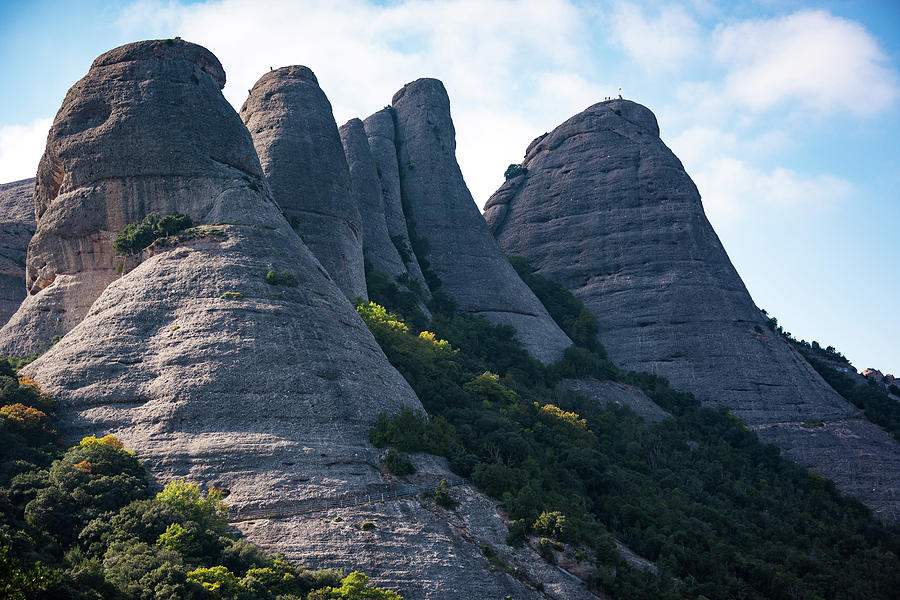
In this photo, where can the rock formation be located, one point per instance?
(603, 207)
(365, 186)
(211, 372)
(461, 251)
(16, 229)
(83, 198)
(380, 131)
(301, 154)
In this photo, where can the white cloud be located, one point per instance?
(658, 44)
(21, 148)
(813, 58)
(363, 53)
(730, 188)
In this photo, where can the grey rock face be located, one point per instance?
(366, 191)
(609, 393)
(472, 269)
(301, 154)
(607, 210)
(16, 228)
(380, 131)
(156, 106)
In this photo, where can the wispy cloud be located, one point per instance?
(660, 42)
(811, 58)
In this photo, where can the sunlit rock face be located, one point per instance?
(300, 151)
(179, 147)
(16, 228)
(603, 207)
(472, 270)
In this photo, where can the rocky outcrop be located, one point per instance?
(603, 207)
(208, 370)
(613, 393)
(365, 186)
(381, 135)
(300, 151)
(176, 153)
(460, 249)
(16, 229)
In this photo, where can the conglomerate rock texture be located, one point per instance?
(381, 134)
(365, 186)
(604, 208)
(300, 151)
(462, 253)
(209, 372)
(16, 228)
(144, 131)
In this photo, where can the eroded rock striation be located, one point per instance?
(381, 135)
(153, 106)
(603, 207)
(210, 371)
(460, 249)
(300, 151)
(365, 186)
(16, 228)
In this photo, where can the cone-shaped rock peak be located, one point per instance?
(300, 150)
(463, 255)
(603, 207)
(157, 107)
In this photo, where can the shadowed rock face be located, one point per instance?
(155, 106)
(380, 132)
(16, 229)
(366, 191)
(607, 210)
(463, 254)
(301, 154)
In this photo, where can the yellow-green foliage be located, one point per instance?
(487, 388)
(21, 417)
(378, 318)
(107, 440)
(185, 496)
(569, 418)
(218, 581)
(354, 587)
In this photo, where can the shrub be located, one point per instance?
(137, 236)
(231, 296)
(514, 170)
(442, 495)
(286, 277)
(398, 463)
(367, 526)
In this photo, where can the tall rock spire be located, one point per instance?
(16, 228)
(300, 151)
(461, 251)
(603, 207)
(82, 198)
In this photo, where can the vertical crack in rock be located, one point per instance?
(461, 251)
(607, 210)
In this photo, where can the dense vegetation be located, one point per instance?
(870, 397)
(84, 523)
(134, 237)
(721, 514)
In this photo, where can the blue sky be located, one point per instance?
(785, 113)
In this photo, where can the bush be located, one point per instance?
(398, 463)
(286, 278)
(442, 495)
(367, 526)
(514, 170)
(137, 236)
(231, 296)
